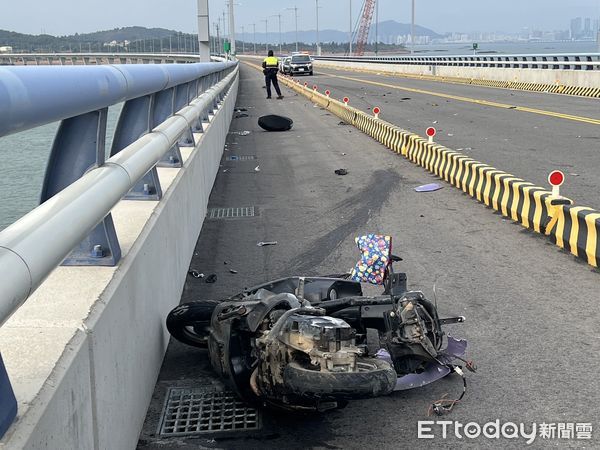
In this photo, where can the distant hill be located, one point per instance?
(93, 41)
(388, 31)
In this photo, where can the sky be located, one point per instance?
(60, 17)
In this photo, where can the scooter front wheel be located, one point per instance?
(372, 378)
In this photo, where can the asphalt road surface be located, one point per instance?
(532, 309)
(494, 126)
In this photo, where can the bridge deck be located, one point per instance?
(518, 292)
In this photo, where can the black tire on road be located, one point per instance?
(374, 378)
(189, 322)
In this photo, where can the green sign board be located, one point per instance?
(226, 47)
(475, 45)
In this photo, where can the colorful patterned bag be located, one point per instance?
(376, 250)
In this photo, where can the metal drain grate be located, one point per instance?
(241, 158)
(230, 213)
(200, 411)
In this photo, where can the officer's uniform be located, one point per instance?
(271, 67)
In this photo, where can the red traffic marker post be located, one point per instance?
(430, 133)
(327, 93)
(556, 179)
(346, 100)
(376, 112)
(306, 84)
(314, 87)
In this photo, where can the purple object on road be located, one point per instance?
(433, 371)
(429, 187)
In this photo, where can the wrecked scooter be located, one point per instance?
(314, 343)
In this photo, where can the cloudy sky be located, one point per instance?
(60, 17)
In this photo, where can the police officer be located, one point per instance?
(270, 69)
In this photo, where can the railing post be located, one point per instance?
(134, 122)
(8, 402)
(164, 107)
(79, 146)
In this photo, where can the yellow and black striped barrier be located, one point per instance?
(574, 228)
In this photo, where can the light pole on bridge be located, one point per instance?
(243, 43)
(231, 27)
(295, 9)
(412, 29)
(279, 16)
(254, 39)
(203, 31)
(266, 21)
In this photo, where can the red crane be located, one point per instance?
(364, 27)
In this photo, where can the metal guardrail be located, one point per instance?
(95, 58)
(562, 61)
(163, 105)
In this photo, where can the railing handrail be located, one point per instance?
(34, 96)
(61, 222)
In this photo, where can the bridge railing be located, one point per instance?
(164, 105)
(563, 61)
(95, 58)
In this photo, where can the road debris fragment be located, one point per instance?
(262, 244)
(429, 187)
(341, 172)
(212, 278)
(195, 274)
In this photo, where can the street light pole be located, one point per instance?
(203, 31)
(376, 27)
(350, 53)
(412, 29)
(295, 9)
(231, 27)
(266, 21)
(279, 17)
(243, 43)
(317, 4)
(254, 40)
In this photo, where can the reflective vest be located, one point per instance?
(271, 61)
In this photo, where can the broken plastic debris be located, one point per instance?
(238, 115)
(342, 123)
(343, 154)
(196, 274)
(435, 121)
(262, 244)
(429, 187)
(240, 133)
(211, 278)
(341, 172)
(233, 271)
(450, 134)
(257, 169)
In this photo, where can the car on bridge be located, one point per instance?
(284, 64)
(301, 64)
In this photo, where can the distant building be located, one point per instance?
(576, 28)
(6, 49)
(587, 27)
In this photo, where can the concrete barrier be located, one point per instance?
(84, 352)
(572, 82)
(576, 229)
